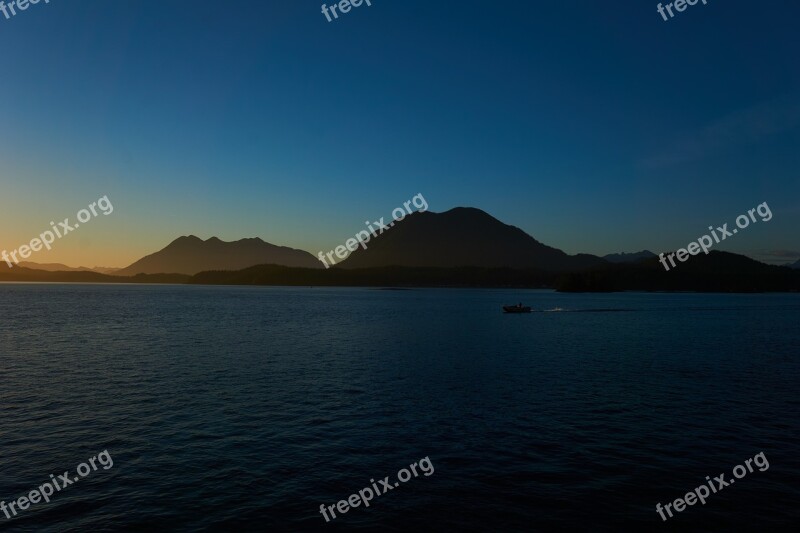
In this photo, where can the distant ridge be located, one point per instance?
(629, 258)
(190, 255)
(463, 237)
(28, 275)
(58, 267)
(717, 272)
(795, 265)
(105, 270)
(52, 267)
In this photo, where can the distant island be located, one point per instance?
(463, 247)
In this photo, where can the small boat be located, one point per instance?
(519, 308)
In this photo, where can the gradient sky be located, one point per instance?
(594, 126)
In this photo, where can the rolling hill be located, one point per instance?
(190, 255)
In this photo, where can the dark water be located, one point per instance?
(244, 409)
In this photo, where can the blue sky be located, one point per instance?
(595, 127)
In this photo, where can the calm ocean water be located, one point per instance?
(244, 409)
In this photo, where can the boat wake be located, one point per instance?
(562, 310)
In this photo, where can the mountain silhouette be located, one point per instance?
(629, 258)
(51, 267)
(58, 267)
(462, 237)
(795, 265)
(190, 255)
(716, 272)
(18, 273)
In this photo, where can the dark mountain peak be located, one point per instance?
(460, 237)
(186, 240)
(214, 240)
(460, 210)
(472, 213)
(472, 217)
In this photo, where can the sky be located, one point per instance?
(596, 127)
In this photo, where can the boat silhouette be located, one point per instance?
(519, 308)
